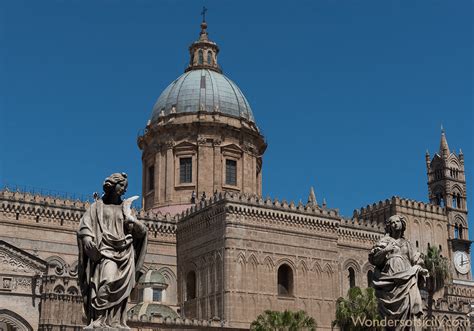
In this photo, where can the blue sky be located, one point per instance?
(349, 94)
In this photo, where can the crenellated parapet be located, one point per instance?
(359, 232)
(42, 210)
(378, 212)
(256, 211)
(258, 201)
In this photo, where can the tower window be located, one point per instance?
(370, 278)
(458, 200)
(351, 277)
(151, 178)
(285, 280)
(231, 172)
(460, 231)
(417, 244)
(134, 295)
(185, 170)
(456, 232)
(157, 294)
(201, 57)
(209, 57)
(191, 285)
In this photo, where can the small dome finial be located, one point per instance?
(203, 52)
(203, 13)
(203, 23)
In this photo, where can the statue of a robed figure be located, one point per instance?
(112, 246)
(398, 273)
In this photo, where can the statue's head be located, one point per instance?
(117, 183)
(396, 223)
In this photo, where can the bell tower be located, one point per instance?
(447, 188)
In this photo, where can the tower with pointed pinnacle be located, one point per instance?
(312, 198)
(447, 188)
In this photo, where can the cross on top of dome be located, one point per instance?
(203, 52)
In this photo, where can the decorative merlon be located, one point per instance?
(401, 202)
(257, 201)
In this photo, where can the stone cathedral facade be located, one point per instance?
(219, 252)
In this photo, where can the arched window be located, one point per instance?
(458, 201)
(285, 280)
(157, 294)
(454, 202)
(72, 290)
(134, 295)
(201, 57)
(59, 289)
(209, 57)
(351, 277)
(460, 231)
(191, 285)
(456, 232)
(370, 278)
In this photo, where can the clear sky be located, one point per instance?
(349, 94)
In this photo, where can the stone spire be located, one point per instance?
(443, 145)
(312, 197)
(203, 52)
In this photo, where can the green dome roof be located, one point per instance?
(152, 277)
(152, 309)
(203, 90)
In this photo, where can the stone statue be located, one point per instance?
(398, 271)
(112, 247)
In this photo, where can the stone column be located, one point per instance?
(157, 184)
(169, 181)
(217, 166)
(205, 163)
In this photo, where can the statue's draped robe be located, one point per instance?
(106, 283)
(396, 280)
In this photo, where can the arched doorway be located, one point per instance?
(10, 321)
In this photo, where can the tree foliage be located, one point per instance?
(360, 304)
(438, 267)
(283, 321)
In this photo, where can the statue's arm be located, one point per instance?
(86, 235)
(377, 256)
(139, 229)
(85, 226)
(135, 227)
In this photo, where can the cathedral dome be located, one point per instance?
(203, 90)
